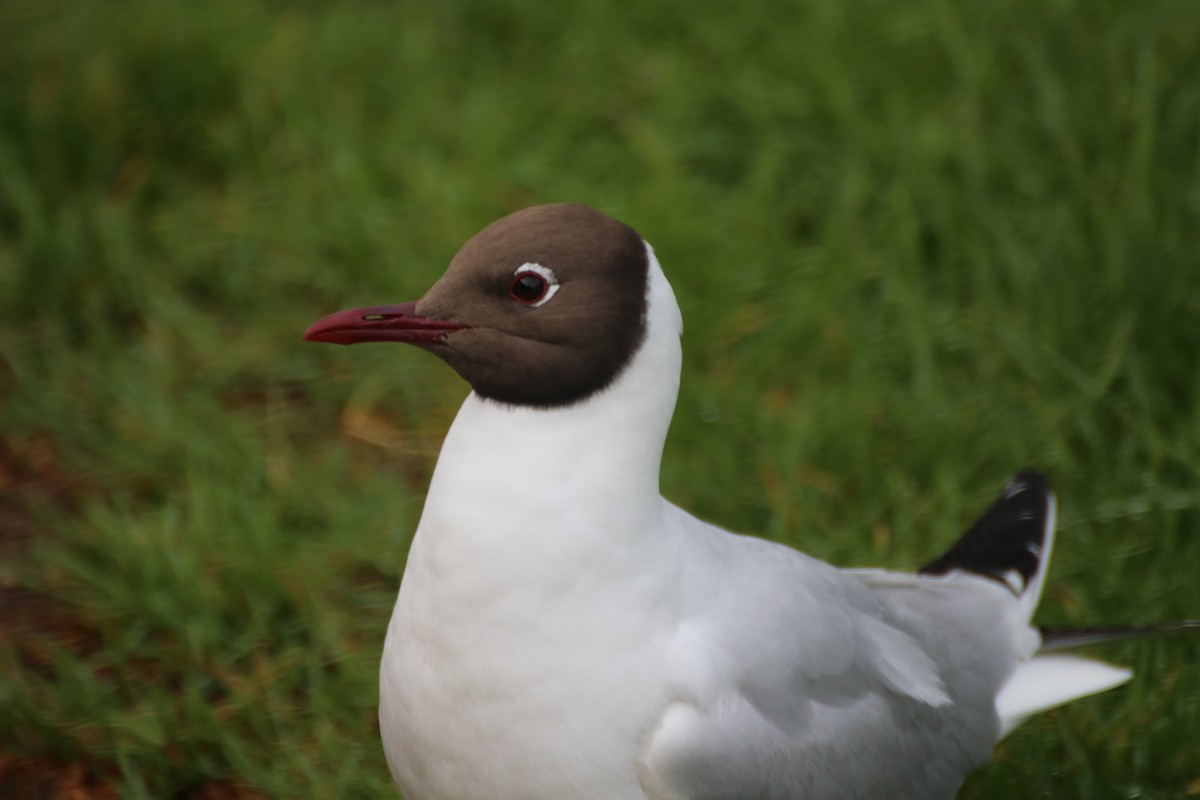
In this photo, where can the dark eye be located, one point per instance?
(528, 288)
(533, 284)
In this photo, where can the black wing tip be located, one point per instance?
(1010, 537)
(1071, 638)
(1029, 479)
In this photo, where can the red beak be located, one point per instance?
(398, 323)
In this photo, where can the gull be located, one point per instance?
(564, 632)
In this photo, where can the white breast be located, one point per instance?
(480, 699)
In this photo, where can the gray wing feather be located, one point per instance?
(804, 681)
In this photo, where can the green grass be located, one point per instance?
(918, 246)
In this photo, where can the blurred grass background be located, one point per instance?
(918, 246)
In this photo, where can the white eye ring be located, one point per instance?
(546, 274)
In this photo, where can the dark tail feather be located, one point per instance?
(1059, 639)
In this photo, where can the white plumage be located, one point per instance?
(562, 631)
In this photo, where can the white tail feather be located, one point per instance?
(1045, 682)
